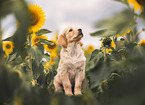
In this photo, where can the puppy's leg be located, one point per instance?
(79, 79)
(66, 83)
(57, 84)
(78, 83)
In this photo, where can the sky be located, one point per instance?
(61, 14)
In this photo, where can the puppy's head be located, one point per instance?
(69, 35)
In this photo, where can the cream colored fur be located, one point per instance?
(71, 69)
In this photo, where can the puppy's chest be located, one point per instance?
(73, 54)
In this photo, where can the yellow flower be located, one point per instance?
(37, 17)
(50, 48)
(53, 54)
(90, 48)
(128, 31)
(108, 43)
(35, 40)
(8, 47)
(137, 4)
(142, 43)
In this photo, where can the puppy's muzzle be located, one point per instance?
(80, 35)
(80, 32)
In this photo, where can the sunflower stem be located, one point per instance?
(105, 55)
(1, 50)
(131, 36)
(30, 65)
(30, 58)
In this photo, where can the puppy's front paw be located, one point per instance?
(78, 93)
(69, 94)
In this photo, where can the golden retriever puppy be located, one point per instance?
(71, 69)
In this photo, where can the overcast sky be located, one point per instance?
(77, 13)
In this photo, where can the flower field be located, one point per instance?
(115, 72)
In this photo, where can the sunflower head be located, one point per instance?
(142, 43)
(50, 48)
(35, 40)
(137, 4)
(141, 2)
(90, 48)
(37, 17)
(8, 47)
(107, 43)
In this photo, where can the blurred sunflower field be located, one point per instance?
(114, 72)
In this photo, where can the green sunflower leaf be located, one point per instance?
(22, 15)
(143, 29)
(115, 55)
(94, 54)
(122, 1)
(42, 31)
(37, 69)
(47, 56)
(99, 72)
(8, 39)
(12, 57)
(103, 33)
(118, 24)
(36, 54)
(45, 41)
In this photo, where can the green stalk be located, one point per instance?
(30, 58)
(105, 55)
(1, 49)
(131, 36)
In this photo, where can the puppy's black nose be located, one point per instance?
(80, 30)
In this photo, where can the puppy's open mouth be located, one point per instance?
(80, 35)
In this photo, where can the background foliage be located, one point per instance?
(114, 73)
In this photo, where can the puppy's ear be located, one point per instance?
(80, 43)
(62, 41)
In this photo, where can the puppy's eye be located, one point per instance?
(70, 30)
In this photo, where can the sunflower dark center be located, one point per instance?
(8, 46)
(141, 2)
(35, 19)
(52, 46)
(36, 40)
(107, 42)
(142, 44)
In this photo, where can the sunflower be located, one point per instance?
(128, 31)
(137, 4)
(37, 17)
(51, 48)
(142, 43)
(8, 47)
(35, 40)
(107, 43)
(90, 48)
(53, 54)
